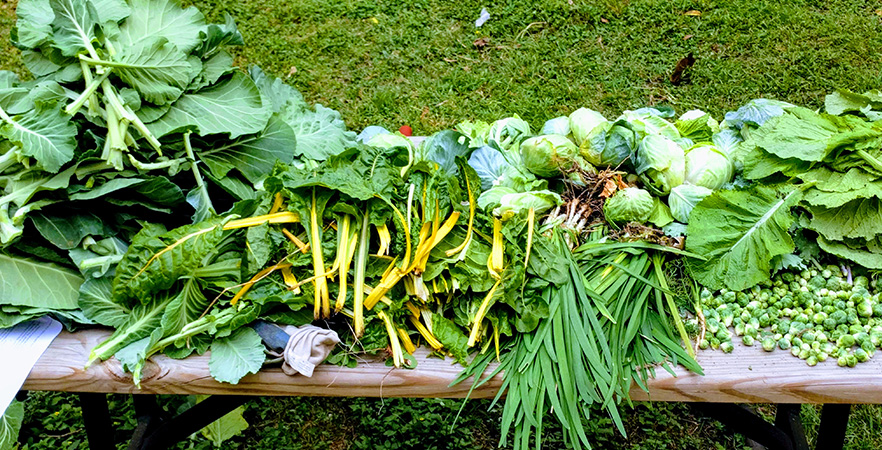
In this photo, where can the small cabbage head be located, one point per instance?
(628, 205)
(646, 123)
(478, 132)
(683, 198)
(489, 164)
(708, 167)
(615, 150)
(660, 163)
(558, 125)
(588, 125)
(548, 155)
(507, 133)
(512, 204)
(697, 125)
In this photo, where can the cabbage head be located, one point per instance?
(708, 167)
(615, 151)
(628, 205)
(558, 125)
(508, 133)
(661, 164)
(512, 204)
(683, 198)
(588, 126)
(548, 155)
(645, 123)
(697, 125)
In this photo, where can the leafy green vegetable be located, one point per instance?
(661, 164)
(629, 205)
(739, 232)
(27, 282)
(235, 356)
(10, 424)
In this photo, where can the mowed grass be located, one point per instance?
(423, 63)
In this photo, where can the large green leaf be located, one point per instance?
(320, 133)
(10, 424)
(804, 136)
(254, 156)
(231, 424)
(68, 230)
(739, 232)
(157, 259)
(859, 218)
(34, 23)
(232, 106)
(155, 68)
(96, 301)
(862, 256)
(235, 356)
(45, 133)
(38, 284)
(74, 25)
(162, 18)
(111, 10)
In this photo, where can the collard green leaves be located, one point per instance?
(45, 133)
(26, 282)
(235, 356)
(739, 232)
(233, 106)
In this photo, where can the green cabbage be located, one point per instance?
(588, 127)
(708, 167)
(661, 164)
(614, 150)
(558, 125)
(507, 133)
(548, 155)
(697, 125)
(629, 205)
(645, 123)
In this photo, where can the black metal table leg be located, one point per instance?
(188, 422)
(149, 416)
(788, 420)
(96, 416)
(748, 424)
(834, 421)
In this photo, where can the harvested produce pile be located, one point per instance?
(580, 257)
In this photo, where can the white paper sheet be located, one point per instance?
(20, 348)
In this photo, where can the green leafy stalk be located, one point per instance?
(200, 184)
(360, 267)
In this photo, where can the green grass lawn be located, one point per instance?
(424, 64)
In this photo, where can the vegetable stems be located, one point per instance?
(322, 297)
(360, 267)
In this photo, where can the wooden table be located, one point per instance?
(748, 375)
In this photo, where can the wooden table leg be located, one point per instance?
(96, 417)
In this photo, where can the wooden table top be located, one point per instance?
(747, 375)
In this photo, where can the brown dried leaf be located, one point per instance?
(687, 37)
(693, 13)
(481, 42)
(604, 20)
(609, 188)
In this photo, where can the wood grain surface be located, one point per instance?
(747, 375)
